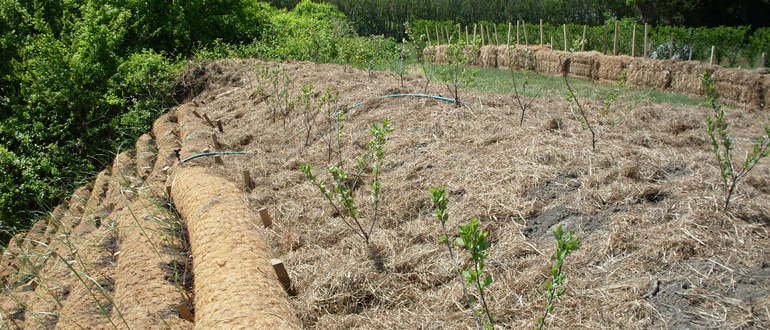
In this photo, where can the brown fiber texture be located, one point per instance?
(236, 287)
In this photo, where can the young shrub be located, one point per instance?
(277, 94)
(565, 244)
(520, 87)
(341, 195)
(721, 143)
(397, 61)
(455, 73)
(474, 240)
(309, 111)
(606, 119)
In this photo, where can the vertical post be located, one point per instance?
(604, 51)
(466, 35)
(247, 183)
(541, 32)
(615, 44)
(219, 126)
(217, 146)
(438, 39)
(689, 58)
(711, 61)
(497, 39)
(218, 160)
(583, 43)
(551, 43)
(671, 47)
(565, 38)
(524, 26)
(267, 221)
(633, 42)
(645, 40)
(762, 64)
(509, 33)
(280, 271)
(482, 34)
(208, 120)
(427, 33)
(517, 33)
(448, 37)
(474, 33)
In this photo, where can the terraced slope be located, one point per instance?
(656, 251)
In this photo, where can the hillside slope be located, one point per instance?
(655, 251)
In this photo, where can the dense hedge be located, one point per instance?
(81, 79)
(729, 41)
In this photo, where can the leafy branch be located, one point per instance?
(565, 244)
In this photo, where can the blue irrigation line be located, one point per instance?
(440, 98)
(212, 153)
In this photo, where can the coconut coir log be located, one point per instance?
(235, 284)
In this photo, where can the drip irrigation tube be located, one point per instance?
(212, 153)
(440, 98)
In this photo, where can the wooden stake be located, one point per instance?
(518, 41)
(459, 33)
(427, 33)
(604, 51)
(168, 191)
(217, 146)
(474, 33)
(551, 43)
(541, 32)
(208, 120)
(762, 58)
(197, 114)
(482, 34)
(497, 40)
(633, 42)
(689, 58)
(267, 221)
(510, 25)
(219, 126)
(565, 38)
(218, 160)
(583, 43)
(615, 44)
(671, 47)
(466, 35)
(184, 312)
(33, 284)
(448, 37)
(112, 206)
(524, 25)
(438, 39)
(711, 61)
(283, 275)
(247, 183)
(645, 40)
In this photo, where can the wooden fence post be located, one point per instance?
(762, 58)
(518, 42)
(474, 33)
(583, 43)
(248, 184)
(466, 35)
(482, 34)
(438, 39)
(633, 42)
(219, 126)
(509, 33)
(615, 44)
(551, 43)
(689, 58)
(264, 215)
(711, 61)
(217, 146)
(427, 33)
(541, 32)
(524, 25)
(645, 40)
(448, 37)
(497, 40)
(565, 38)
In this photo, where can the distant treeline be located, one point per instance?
(388, 16)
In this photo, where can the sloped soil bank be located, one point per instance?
(656, 250)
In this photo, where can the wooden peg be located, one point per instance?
(168, 191)
(112, 206)
(218, 160)
(208, 120)
(219, 126)
(217, 146)
(247, 183)
(184, 312)
(197, 114)
(265, 215)
(33, 284)
(280, 270)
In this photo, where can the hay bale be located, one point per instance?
(685, 76)
(649, 73)
(473, 54)
(765, 90)
(429, 54)
(488, 56)
(740, 87)
(585, 65)
(549, 62)
(504, 57)
(610, 67)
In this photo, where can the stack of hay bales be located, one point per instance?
(585, 65)
(649, 73)
(488, 56)
(611, 67)
(685, 76)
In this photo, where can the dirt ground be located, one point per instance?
(656, 250)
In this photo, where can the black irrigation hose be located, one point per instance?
(212, 153)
